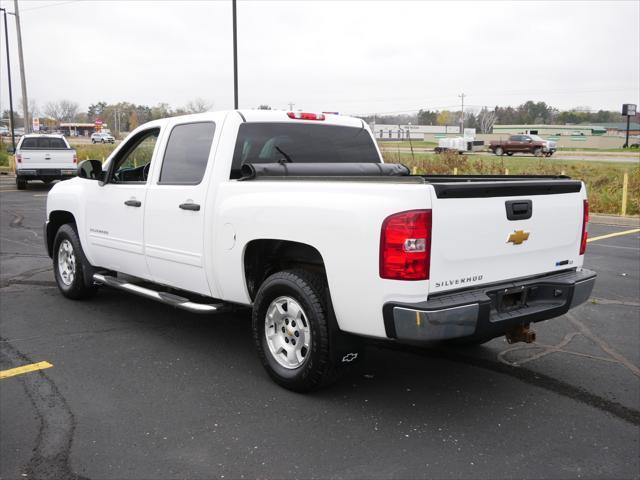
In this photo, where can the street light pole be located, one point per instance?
(25, 101)
(6, 40)
(462, 95)
(235, 57)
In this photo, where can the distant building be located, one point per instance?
(620, 129)
(73, 129)
(551, 130)
(415, 132)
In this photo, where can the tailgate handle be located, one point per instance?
(519, 209)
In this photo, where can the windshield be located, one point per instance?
(302, 143)
(536, 138)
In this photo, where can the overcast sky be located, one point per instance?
(353, 57)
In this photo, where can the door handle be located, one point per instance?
(190, 206)
(133, 203)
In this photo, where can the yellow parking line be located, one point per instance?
(24, 369)
(615, 234)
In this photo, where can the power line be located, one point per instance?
(47, 5)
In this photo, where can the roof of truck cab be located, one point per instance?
(263, 116)
(43, 135)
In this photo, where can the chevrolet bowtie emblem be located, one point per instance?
(518, 237)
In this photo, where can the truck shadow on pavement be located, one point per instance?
(429, 372)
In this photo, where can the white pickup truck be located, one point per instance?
(44, 157)
(296, 216)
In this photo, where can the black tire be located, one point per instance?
(103, 141)
(93, 141)
(81, 285)
(321, 363)
(499, 151)
(537, 152)
(510, 154)
(21, 184)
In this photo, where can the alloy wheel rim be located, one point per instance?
(287, 332)
(66, 262)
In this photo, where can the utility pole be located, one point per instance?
(235, 57)
(461, 96)
(6, 39)
(25, 101)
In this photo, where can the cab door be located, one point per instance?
(115, 209)
(174, 218)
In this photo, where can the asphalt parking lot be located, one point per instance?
(139, 390)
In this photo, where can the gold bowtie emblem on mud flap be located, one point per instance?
(518, 237)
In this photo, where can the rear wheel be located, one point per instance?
(21, 184)
(70, 266)
(499, 151)
(292, 331)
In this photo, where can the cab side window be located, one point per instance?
(187, 153)
(134, 160)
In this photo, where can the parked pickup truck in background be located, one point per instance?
(523, 144)
(44, 157)
(296, 216)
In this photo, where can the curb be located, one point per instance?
(614, 220)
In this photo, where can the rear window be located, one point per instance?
(43, 143)
(303, 143)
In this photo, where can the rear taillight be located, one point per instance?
(585, 227)
(18, 158)
(75, 158)
(405, 246)
(305, 116)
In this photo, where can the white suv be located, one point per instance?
(101, 137)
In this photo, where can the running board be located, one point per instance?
(168, 298)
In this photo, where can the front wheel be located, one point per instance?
(21, 184)
(292, 331)
(70, 266)
(499, 151)
(537, 152)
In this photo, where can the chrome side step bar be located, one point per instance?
(168, 298)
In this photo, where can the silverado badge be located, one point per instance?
(518, 237)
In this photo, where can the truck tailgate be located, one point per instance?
(474, 242)
(40, 159)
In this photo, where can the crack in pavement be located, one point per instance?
(23, 277)
(50, 459)
(614, 356)
(530, 377)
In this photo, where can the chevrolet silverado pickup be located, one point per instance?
(44, 157)
(523, 144)
(296, 216)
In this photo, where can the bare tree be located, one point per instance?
(33, 108)
(68, 110)
(198, 105)
(486, 120)
(62, 111)
(52, 110)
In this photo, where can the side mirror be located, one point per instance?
(530, 140)
(90, 169)
(11, 150)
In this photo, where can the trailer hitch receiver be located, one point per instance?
(521, 333)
